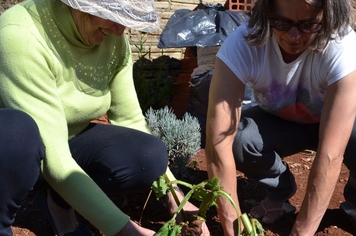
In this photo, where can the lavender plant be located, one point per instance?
(181, 136)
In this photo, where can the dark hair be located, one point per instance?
(336, 19)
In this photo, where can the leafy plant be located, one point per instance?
(207, 192)
(151, 92)
(181, 137)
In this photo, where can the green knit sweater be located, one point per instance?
(47, 71)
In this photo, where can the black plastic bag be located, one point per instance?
(206, 26)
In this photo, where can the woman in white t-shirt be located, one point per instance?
(297, 57)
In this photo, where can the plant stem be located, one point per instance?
(174, 194)
(179, 182)
(228, 197)
(247, 224)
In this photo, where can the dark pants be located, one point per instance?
(21, 152)
(120, 160)
(263, 140)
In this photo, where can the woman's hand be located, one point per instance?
(131, 228)
(189, 209)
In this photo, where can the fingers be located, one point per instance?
(205, 230)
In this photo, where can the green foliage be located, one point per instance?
(207, 192)
(181, 137)
(155, 92)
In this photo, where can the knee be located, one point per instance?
(247, 143)
(154, 162)
(250, 158)
(17, 123)
(22, 137)
(146, 164)
(156, 155)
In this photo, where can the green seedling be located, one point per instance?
(207, 193)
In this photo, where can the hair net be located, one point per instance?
(135, 14)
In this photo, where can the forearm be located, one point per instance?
(226, 173)
(224, 114)
(322, 180)
(336, 123)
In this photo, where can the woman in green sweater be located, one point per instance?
(66, 63)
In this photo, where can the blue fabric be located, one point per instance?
(261, 143)
(263, 140)
(21, 152)
(120, 160)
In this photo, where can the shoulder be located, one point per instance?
(236, 49)
(337, 59)
(339, 45)
(235, 42)
(18, 26)
(242, 58)
(18, 15)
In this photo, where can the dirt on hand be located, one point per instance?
(193, 229)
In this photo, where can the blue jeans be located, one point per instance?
(263, 140)
(21, 152)
(120, 160)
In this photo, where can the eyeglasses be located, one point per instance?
(304, 27)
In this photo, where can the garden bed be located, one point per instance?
(31, 222)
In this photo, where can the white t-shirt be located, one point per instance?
(293, 91)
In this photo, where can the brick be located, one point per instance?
(241, 5)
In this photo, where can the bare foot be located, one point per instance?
(64, 219)
(268, 211)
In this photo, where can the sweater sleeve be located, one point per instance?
(125, 109)
(27, 82)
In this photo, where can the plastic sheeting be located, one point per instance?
(201, 27)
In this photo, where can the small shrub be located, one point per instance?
(181, 137)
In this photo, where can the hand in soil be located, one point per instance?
(193, 229)
(190, 210)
